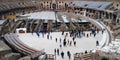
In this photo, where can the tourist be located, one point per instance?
(97, 30)
(56, 39)
(57, 51)
(62, 54)
(43, 35)
(51, 37)
(102, 31)
(94, 34)
(70, 43)
(74, 43)
(66, 34)
(90, 34)
(83, 34)
(32, 32)
(64, 43)
(97, 43)
(87, 35)
(37, 34)
(60, 46)
(73, 38)
(86, 52)
(69, 54)
(62, 32)
(48, 36)
(60, 40)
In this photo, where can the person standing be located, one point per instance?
(64, 42)
(57, 51)
(60, 46)
(43, 35)
(69, 54)
(62, 54)
(48, 36)
(51, 37)
(87, 35)
(74, 43)
(73, 38)
(94, 34)
(56, 39)
(86, 52)
(60, 40)
(97, 43)
(62, 32)
(70, 43)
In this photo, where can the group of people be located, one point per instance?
(80, 33)
(66, 42)
(62, 53)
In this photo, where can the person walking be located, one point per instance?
(69, 54)
(62, 54)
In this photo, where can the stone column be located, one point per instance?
(84, 13)
(99, 15)
(112, 17)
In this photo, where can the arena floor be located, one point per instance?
(82, 44)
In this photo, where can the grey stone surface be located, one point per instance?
(12, 56)
(4, 49)
(25, 58)
(4, 46)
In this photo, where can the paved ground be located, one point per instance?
(47, 15)
(40, 43)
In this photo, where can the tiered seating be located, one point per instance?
(25, 58)
(91, 4)
(77, 56)
(85, 56)
(38, 25)
(16, 25)
(116, 30)
(50, 57)
(13, 5)
(63, 25)
(116, 27)
(50, 25)
(14, 41)
(32, 25)
(41, 25)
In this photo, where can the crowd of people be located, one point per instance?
(64, 42)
